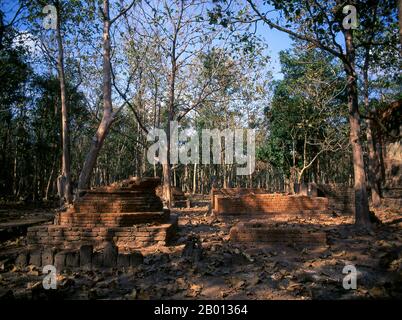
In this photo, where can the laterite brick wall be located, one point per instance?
(123, 237)
(268, 203)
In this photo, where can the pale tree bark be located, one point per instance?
(108, 114)
(361, 199)
(373, 160)
(65, 178)
(195, 179)
(107, 118)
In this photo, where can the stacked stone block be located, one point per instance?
(84, 258)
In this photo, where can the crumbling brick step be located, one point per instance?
(138, 236)
(100, 207)
(266, 233)
(111, 219)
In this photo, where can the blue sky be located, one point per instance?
(275, 40)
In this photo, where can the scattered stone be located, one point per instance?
(388, 258)
(193, 249)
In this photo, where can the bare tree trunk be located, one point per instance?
(167, 191)
(107, 118)
(66, 191)
(49, 182)
(373, 161)
(361, 199)
(195, 179)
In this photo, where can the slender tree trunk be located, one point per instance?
(107, 118)
(373, 161)
(361, 200)
(167, 184)
(66, 191)
(49, 182)
(195, 179)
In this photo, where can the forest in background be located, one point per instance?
(77, 101)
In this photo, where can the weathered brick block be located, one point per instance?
(35, 257)
(86, 256)
(48, 256)
(72, 259)
(60, 261)
(97, 260)
(110, 255)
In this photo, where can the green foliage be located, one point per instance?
(307, 109)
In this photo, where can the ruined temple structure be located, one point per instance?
(266, 218)
(179, 199)
(256, 203)
(389, 148)
(341, 198)
(129, 215)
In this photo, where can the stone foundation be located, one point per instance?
(83, 257)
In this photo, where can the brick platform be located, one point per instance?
(233, 192)
(268, 204)
(111, 219)
(267, 233)
(128, 214)
(268, 216)
(125, 238)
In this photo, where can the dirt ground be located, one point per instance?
(220, 269)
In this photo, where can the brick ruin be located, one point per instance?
(127, 216)
(341, 199)
(389, 150)
(260, 231)
(258, 212)
(392, 168)
(268, 204)
(179, 198)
